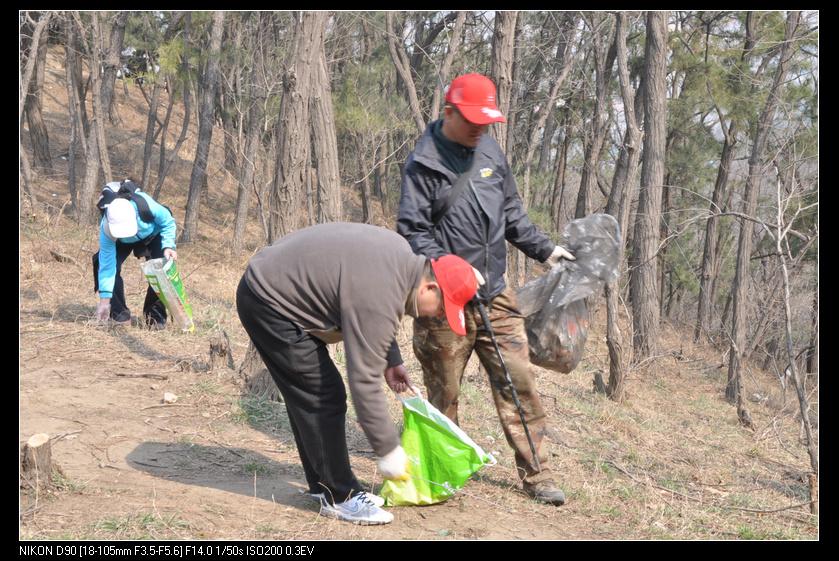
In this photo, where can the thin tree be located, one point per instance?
(25, 81)
(403, 70)
(623, 183)
(324, 142)
(603, 59)
(253, 137)
(75, 104)
(734, 389)
(503, 56)
(102, 89)
(644, 278)
(33, 106)
(711, 258)
(167, 159)
(205, 129)
(159, 86)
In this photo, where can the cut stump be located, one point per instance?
(36, 461)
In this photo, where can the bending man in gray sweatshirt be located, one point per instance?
(345, 282)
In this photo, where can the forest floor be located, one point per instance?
(671, 462)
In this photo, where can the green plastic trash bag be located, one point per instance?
(164, 278)
(441, 457)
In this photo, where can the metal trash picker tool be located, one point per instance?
(488, 326)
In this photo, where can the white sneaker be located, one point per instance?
(358, 510)
(375, 499)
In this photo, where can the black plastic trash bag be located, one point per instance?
(554, 305)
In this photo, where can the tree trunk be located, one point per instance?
(96, 159)
(443, 77)
(38, 132)
(74, 104)
(618, 206)
(503, 57)
(734, 389)
(603, 63)
(205, 130)
(26, 79)
(166, 161)
(294, 162)
(644, 280)
(401, 63)
(324, 140)
(558, 191)
(781, 244)
(710, 257)
(812, 374)
(158, 88)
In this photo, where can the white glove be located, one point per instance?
(103, 311)
(394, 464)
(479, 276)
(558, 253)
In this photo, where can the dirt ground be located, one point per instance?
(670, 463)
(191, 466)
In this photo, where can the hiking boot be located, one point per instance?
(375, 499)
(546, 492)
(358, 510)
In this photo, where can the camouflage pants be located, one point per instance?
(443, 356)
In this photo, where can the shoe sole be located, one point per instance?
(357, 521)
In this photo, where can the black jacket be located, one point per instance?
(478, 223)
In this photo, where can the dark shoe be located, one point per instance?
(123, 319)
(546, 492)
(156, 326)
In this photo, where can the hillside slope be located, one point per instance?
(671, 463)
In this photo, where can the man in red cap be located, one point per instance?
(345, 282)
(459, 197)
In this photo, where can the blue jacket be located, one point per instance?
(163, 224)
(479, 223)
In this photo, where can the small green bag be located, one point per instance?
(441, 457)
(165, 280)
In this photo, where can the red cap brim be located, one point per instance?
(481, 114)
(458, 283)
(455, 315)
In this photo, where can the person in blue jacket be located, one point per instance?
(132, 222)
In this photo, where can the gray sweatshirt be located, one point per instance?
(346, 282)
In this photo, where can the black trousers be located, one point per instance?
(312, 389)
(154, 310)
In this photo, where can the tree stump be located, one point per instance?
(255, 378)
(220, 351)
(36, 461)
(599, 383)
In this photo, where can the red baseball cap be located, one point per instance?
(474, 96)
(458, 283)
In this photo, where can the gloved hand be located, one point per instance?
(558, 253)
(479, 276)
(103, 311)
(394, 464)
